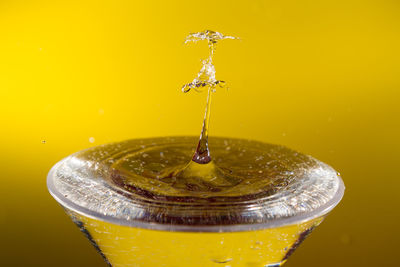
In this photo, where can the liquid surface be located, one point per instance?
(141, 181)
(240, 170)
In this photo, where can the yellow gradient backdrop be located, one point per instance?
(322, 77)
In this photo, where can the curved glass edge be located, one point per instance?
(275, 223)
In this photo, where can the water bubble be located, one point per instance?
(91, 140)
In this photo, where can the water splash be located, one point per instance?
(206, 75)
(205, 78)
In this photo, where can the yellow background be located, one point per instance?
(322, 77)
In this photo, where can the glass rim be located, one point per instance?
(271, 223)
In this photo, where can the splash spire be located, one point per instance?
(205, 78)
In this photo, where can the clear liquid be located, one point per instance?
(205, 78)
(130, 246)
(240, 169)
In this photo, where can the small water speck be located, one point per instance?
(91, 140)
(44, 141)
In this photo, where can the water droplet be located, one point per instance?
(44, 141)
(91, 140)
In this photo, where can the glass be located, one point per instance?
(266, 203)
